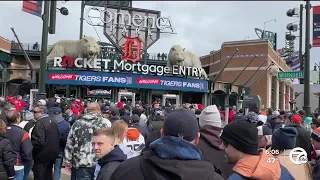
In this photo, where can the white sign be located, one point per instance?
(98, 92)
(125, 66)
(164, 24)
(298, 156)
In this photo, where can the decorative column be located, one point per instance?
(286, 96)
(273, 70)
(269, 89)
(277, 95)
(283, 89)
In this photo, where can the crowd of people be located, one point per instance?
(101, 140)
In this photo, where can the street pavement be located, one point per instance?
(64, 175)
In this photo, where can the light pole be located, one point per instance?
(315, 69)
(293, 27)
(264, 26)
(307, 62)
(48, 15)
(44, 44)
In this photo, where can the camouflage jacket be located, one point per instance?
(79, 151)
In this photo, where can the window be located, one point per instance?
(291, 98)
(281, 84)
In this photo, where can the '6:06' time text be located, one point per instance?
(273, 152)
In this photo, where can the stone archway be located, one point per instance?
(218, 98)
(18, 86)
(233, 99)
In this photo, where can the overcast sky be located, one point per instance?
(201, 26)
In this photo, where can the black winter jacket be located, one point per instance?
(20, 143)
(45, 139)
(29, 125)
(239, 116)
(303, 139)
(149, 166)
(110, 162)
(6, 159)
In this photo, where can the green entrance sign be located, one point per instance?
(291, 75)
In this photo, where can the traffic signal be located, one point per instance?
(290, 37)
(292, 27)
(293, 12)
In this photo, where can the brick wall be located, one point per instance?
(246, 51)
(5, 45)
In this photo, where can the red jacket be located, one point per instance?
(231, 114)
(81, 109)
(19, 104)
(75, 110)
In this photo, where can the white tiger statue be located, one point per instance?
(178, 56)
(87, 47)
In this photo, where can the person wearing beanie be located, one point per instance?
(303, 139)
(283, 141)
(42, 102)
(210, 116)
(242, 149)
(284, 138)
(307, 123)
(209, 143)
(173, 156)
(316, 144)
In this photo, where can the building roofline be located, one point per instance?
(5, 39)
(204, 56)
(6, 51)
(245, 42)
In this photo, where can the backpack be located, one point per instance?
(63, 128)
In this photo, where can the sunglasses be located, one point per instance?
(36, 111)
(225, 143)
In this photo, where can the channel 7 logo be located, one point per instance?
(298, 156)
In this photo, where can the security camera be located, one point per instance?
(64, 11)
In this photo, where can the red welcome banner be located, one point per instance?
(32, 7)
(316, 26)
